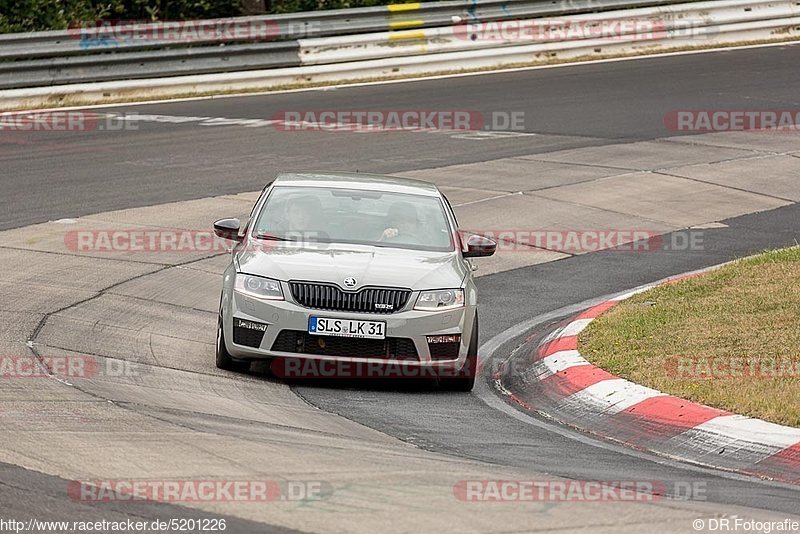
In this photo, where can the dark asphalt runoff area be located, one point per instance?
(52, 175)
(56, 175)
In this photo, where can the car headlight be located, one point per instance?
(258, 287)
(440, 299)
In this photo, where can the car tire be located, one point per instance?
(224, 359)
(465, 380)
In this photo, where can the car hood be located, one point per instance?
(370, 266)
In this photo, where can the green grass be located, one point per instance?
(747, 312)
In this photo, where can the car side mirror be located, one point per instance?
(478, 246)
(228, 229)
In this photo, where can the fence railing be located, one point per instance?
(120, 50)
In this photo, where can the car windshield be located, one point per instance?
(377, 218)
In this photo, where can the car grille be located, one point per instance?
(393, 348)
(444, 351)
(331, 297)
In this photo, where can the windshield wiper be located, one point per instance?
(271, 237)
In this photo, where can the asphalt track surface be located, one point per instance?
(465, 426)
(55, 174)
(68, 175)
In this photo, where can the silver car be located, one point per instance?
(353, 275)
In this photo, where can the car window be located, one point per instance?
(355, 216)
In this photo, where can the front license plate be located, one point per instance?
(325, 326)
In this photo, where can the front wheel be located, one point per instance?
(465, 380)
(224, 359)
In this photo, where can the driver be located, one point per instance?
(402, 223)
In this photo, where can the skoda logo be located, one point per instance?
(350, 282)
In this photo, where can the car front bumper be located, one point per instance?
(279, 315)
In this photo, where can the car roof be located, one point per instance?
(357, 180)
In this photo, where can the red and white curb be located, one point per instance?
(556, 381)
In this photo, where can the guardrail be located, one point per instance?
(416, 50)
(645, 26)
(132, 50)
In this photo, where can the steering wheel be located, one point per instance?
(404, 237)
